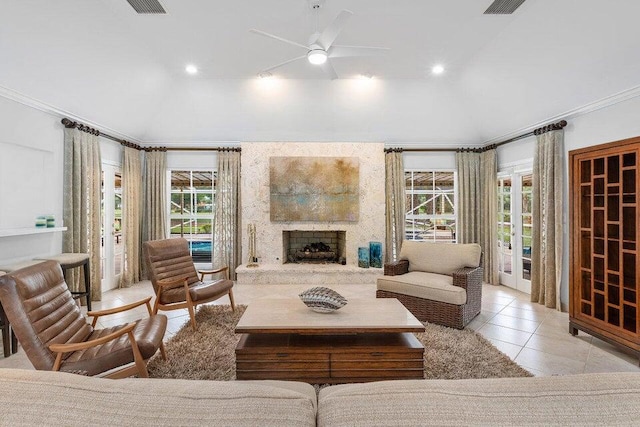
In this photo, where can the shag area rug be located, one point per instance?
(209, 352)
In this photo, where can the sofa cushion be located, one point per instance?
(586, 399)
(436, 287)
(441, 258)
(36, 398)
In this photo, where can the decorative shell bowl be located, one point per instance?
(323, 300)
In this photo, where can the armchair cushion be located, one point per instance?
(441, 258)
(148, 334)
(431, 286)
(198, 291)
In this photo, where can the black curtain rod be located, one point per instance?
(82, 127)
(539, 131)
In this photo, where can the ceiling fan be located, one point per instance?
(320, 48)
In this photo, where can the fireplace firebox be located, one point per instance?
(317, 247)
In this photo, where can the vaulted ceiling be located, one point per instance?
(101, 61)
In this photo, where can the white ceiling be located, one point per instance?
(101, 61)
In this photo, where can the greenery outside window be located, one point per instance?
(430, 206)
(192, 209)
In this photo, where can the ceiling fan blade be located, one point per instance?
(330, 33)
(266, 70)
(273, 36)
(329, 70)
(342, 51)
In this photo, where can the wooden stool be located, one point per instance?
(10, 344)
(73, 260)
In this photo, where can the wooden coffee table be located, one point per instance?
(366, 340)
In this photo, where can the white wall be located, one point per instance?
(30, 179)
(619, 121)
(429, 160)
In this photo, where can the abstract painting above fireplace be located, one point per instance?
(314, 188)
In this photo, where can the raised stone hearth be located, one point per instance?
(312, 274)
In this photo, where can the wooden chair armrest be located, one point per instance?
(120, 309)
(66, 348)
(214, 271)
(396, 268)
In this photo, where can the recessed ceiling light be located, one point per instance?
(191, 69)
(437, 69)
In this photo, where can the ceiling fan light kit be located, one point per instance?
(317, 56)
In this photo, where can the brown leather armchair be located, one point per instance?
(56, 336)
(175, 280)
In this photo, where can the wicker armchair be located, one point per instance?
(437, 287)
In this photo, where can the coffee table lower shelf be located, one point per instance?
(330, 359)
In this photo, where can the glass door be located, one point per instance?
(112, 247)
(515, 228)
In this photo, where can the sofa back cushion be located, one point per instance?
(440, 258)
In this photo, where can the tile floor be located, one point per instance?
(535, 337)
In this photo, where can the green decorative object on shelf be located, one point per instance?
(375, 254)
(41, 222)
(51, 221)
(363, 257)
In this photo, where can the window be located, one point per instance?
(430, 205)
(192, 209)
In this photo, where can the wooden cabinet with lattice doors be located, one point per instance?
(604, 239)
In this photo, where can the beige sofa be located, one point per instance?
(438, 282)
(31, 398)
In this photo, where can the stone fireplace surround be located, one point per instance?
(255, 201)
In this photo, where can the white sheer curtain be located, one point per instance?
(546, 251)
(226, 223)
(477, 206)
(395, 204)
(131, 215)
(81, 212)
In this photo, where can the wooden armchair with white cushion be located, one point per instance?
(438, 282)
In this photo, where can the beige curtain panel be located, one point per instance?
(81, 212)
(226, 223)
(546, 251)
(477, 206)
(131, 215)
(154, 224)
(469, 191)
(489, 215)
(394, 205)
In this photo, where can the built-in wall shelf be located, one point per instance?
(8, 232)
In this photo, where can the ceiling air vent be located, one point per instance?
(503, 7)
(147, 6)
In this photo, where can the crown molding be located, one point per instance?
(605, 102)
(36, 104)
